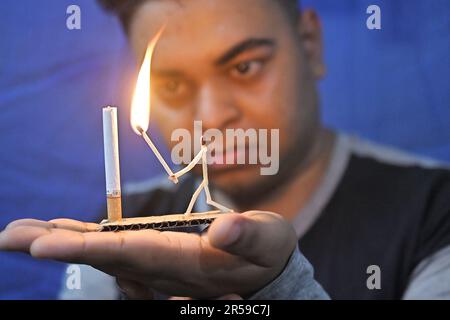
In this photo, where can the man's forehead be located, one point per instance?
(207, 26)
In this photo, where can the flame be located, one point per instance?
(140, 104)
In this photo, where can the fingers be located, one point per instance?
(21, 237)
(263, 238)
(28, 222)
(74, 225)
(68, 224)
(20, 234)
(70, 246)
(64, 240)
(159, 253)
(134, 290)
(98, 248)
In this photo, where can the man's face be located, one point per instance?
(231, 64)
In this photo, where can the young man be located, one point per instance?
(373, 222)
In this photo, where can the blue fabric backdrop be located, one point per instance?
(390, 85)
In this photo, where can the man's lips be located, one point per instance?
(231, 158)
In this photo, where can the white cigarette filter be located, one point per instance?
(111, 146)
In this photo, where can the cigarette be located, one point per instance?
(112, 167)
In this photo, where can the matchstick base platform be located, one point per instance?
(165, 222)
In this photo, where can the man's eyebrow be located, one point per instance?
(167, 73)
(243, 46)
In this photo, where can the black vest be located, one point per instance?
(380, 214)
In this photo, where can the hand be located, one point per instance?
(137, 291)
(231, 296)
(240, 253)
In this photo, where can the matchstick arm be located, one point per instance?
(192, 164)
(161, 222)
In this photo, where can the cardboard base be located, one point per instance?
(161, 222)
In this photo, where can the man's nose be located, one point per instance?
(216, 108)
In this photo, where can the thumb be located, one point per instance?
(263, 238)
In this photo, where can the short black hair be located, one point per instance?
(125, 9)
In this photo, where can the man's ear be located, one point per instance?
(310, 30)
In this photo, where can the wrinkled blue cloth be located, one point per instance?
(53, 83)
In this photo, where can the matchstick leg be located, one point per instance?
(194, 198)
(210, 201)
(218, 206)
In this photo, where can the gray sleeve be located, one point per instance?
(296, 282)
(431, 278)
(90, 284)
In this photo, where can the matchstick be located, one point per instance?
(156, 152)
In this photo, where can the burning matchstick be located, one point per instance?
(157, 154)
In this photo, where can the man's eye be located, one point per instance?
(171, 89)
(246, 69)
(172, 86)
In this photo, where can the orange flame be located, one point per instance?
(140, 104)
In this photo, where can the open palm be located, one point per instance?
(240, 253)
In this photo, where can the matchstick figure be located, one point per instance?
(202, 155)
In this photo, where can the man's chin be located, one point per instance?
(219, 173)
(236, 179)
